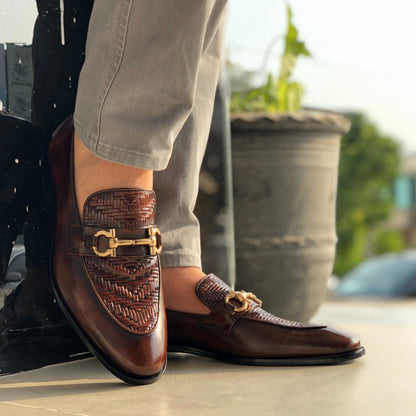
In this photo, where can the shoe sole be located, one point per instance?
(49, 192)
(330, 359)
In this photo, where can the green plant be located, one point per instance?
(369, 164)
(283, 93)
(387, 241)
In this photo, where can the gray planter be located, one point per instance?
(285, 172)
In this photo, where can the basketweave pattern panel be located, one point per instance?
(259, 314)
(129, 288)
(128, 209)
(213, 291)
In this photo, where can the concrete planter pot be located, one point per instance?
(285, 173)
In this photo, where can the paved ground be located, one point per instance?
(381, 383)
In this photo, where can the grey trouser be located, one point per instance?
(145, 99)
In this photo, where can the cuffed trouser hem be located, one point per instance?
(119, 155)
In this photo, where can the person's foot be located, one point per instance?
(236, 329)
(105, 266)
(207, 318)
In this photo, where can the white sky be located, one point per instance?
(363, 52)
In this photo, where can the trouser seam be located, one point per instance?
(115, 67)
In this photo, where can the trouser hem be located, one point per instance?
(122, 156)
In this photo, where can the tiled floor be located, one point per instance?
(381, 383)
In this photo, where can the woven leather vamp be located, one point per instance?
(212, 292)
(128, 209)
(128, 289)
(128, 286)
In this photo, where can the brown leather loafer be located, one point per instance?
(106, 271)
(238, 330)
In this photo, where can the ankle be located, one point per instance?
(93, 174)
(179, 289)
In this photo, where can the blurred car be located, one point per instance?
(385, 276)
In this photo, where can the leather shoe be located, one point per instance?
(239, 331)
(106, 270)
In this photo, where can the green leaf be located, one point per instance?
(283, 94)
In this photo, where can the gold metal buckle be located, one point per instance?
(244, 298)
(113, 242)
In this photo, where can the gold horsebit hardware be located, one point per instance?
(153, 241)
(244, 298)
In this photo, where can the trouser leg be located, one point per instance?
(177, 185)
(145, 99)
(138, 83)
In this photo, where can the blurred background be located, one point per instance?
(362, 66)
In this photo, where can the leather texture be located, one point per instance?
(114, 303)
(253, 336)
(127, 286)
